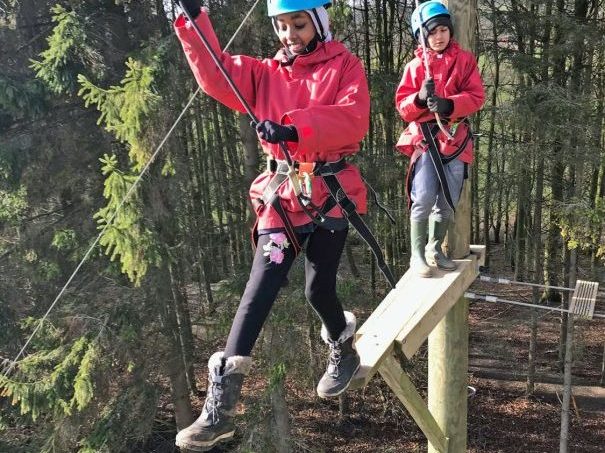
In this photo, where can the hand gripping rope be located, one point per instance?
(427, 72)
(312, 211)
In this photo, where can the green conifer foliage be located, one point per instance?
(124, 108)
(19, 99)
(67, 52)
(125, 236)
(581, 225)
(63, 382)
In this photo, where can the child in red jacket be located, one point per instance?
(313, 95)
(451, 91)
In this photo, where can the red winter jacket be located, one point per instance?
(457, 78)
(324, 94)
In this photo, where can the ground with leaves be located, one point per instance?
(501, 418)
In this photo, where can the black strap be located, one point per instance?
(348, 207)
(469, 135)
(270, 198)
(437, 163)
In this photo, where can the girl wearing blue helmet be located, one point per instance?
(313, 95)
(442, 82)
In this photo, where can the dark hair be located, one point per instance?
(434, 22)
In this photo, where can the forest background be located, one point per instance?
(88, 90)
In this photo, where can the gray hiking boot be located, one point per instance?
(343, 361)
(215, 423)
(433, 252)
(418, 264)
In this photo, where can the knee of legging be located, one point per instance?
(316, 295)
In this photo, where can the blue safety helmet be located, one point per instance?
(427, 12)
(276, 7)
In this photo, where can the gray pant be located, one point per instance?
(427, 196)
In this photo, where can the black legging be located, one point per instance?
(322, 257)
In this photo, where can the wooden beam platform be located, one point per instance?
(409, 313)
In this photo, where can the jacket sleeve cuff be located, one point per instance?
(409, 110)
(418, 103)
(308, 139)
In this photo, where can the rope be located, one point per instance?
(491, 298)
(506, 281)
(11, 365)
(427, 71)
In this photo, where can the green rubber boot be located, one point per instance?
(418, 264)
(433, 252)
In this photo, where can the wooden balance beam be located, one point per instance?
(407, 316)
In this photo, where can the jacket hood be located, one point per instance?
(323, 52)
(452, 49)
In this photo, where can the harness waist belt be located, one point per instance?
(319, 168)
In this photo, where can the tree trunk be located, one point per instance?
(490, 146)
(281, 424)
(174, 365)
(567, 376)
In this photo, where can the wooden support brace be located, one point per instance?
(403, 387)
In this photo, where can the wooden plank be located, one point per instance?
(414, 307)
(418, 327)
(401, 291)
(479, 251)
(402, 386)
(396, 294)
(584, 298)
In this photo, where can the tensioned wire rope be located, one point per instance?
(507, 281)
(492, 298)
(11, 364)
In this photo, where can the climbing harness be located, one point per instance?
(305, 203)
(327, 171)
(435, 156)
(295, 172)
(429, 132)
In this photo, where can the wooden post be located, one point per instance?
(448, 343)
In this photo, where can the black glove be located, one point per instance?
(274, 132)
(426, 91)
(442, 106)
(193, 7)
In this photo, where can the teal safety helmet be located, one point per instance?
(426, 12)
(276, 7)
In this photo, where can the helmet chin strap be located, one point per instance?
(310, 47)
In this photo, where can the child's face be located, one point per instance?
(439, 38)
(295, 30)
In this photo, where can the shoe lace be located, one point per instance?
(334, 358)
(213, 401)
